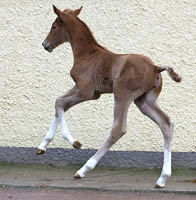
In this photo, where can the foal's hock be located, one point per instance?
(96, 71)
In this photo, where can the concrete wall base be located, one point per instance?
(64, 157)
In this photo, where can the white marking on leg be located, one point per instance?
(90, 164)
(50, 135)
(64, 129)
(166, 171)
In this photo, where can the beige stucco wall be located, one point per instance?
(31, 78)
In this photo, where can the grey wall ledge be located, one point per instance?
(64, 157)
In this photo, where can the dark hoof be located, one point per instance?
(77, 176)
(40, 152)
(158, 187)
(77, 145)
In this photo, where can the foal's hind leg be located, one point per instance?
(148, 106)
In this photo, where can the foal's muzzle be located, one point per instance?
(47, 46)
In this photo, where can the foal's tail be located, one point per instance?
(171, 73)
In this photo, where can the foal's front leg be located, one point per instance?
(50, 135)
(118, 130)
(65, 102)
(65, 131)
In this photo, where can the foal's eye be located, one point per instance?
(53, 27)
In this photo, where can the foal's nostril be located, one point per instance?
(47, 46)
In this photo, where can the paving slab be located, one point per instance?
(101, 178)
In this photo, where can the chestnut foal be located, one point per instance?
(97, 70)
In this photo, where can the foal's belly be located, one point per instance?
(104, 85)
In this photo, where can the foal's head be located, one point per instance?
(58, 33)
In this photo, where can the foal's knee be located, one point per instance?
(59, 106)
(59, 103)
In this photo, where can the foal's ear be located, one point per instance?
(77, 11)
(57, 11)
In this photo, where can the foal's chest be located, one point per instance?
(100, 76)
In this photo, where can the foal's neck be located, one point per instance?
(82, 40)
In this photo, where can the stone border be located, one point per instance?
(64, 157)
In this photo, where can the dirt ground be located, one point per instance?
(52, 194)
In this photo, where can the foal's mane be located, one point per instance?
(90, 33)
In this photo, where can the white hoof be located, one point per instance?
(161, 181)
